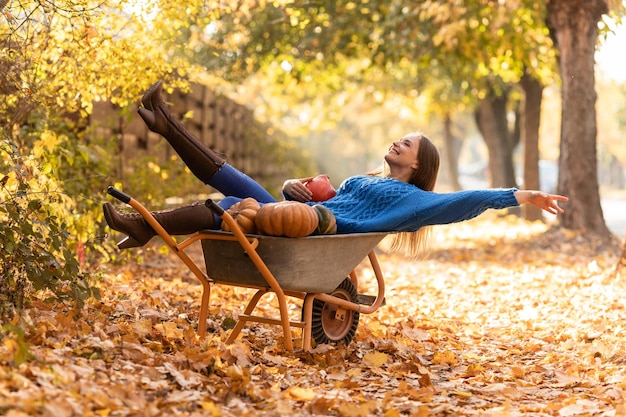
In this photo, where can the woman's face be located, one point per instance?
(403, 153)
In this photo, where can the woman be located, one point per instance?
(398, 200)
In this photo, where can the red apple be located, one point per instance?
(321, 188)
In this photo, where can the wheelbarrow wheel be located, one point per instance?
(331, 323)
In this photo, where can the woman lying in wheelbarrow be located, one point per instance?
(399, 200)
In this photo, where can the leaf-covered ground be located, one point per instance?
(504, 318)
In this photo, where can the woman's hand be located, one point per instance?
(545, 201)
(296, 189)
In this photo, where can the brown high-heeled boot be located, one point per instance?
(180, 221)
(201, 160)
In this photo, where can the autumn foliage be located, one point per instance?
(503, 318)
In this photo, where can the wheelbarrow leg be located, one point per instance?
(247, 316)
(204, 308)
(248, 311)
(308, 318)
(206, 285)
(284, 318)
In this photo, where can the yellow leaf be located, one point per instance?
(474, 369)
(376, 359)
(211, 408)
(422, 411)
(377, 328)
(362, 410)
(445, 357)
(11, 345)
(237, 373)
(301, 394)
(17, 347)
(518, 371)
(46, 143)
(392, 413)
(169, 330)
(142, 328)
(46, 168)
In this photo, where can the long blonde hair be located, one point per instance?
(414, 244)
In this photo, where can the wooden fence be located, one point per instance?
(222, 124)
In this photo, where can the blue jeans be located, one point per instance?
(236, 186)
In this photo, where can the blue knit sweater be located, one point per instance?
(376, 204)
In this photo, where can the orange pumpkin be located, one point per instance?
(286, 218)
(244, 213)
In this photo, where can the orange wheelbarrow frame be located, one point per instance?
(267, 279)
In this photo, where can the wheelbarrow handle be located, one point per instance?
(214, 207)
(123, 197)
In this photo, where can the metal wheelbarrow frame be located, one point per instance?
(320, 271)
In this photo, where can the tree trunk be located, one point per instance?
(451, 153)
(573, 24)
(533, 91)
(491, 119)
(620, 268)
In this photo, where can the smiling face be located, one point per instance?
(414, 159)
(402, 156)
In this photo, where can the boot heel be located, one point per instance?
(129, 242)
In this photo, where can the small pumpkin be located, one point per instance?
(286, 218)
(244, 213)
(327, 224)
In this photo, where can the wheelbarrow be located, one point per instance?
(317, 270)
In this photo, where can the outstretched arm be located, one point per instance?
(545, 201)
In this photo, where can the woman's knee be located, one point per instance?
(227, 202)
